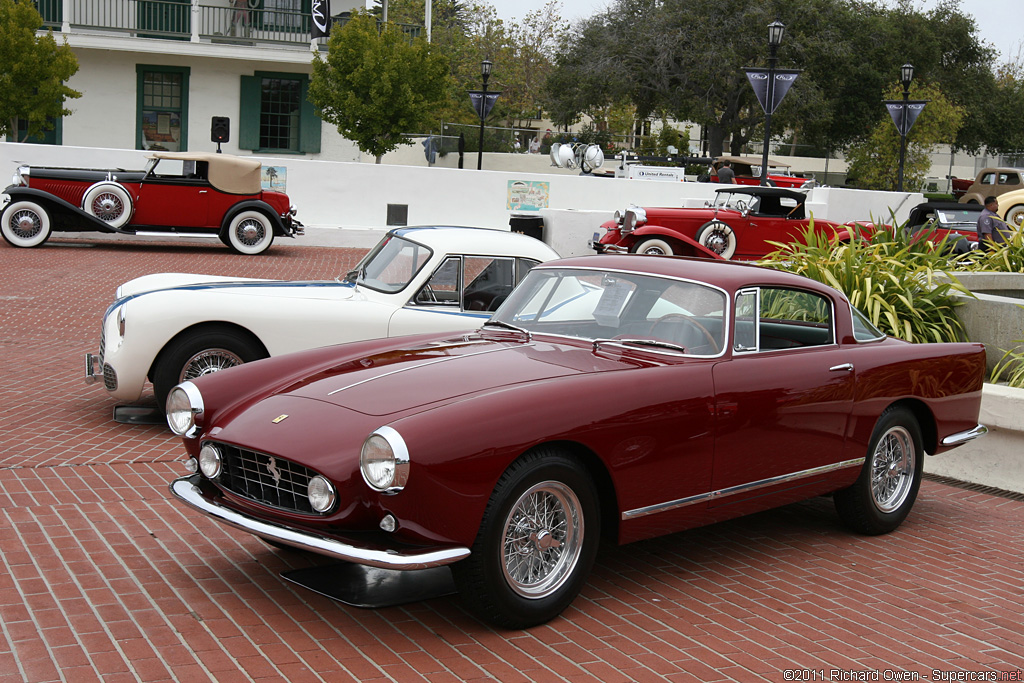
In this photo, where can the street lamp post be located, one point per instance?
(485, 71)
(906, 76)
(776, 29)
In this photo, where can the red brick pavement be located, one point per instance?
(102, 577)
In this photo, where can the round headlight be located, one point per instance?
(384, 461)
(321, 494)
(209, 461)
(184, 403)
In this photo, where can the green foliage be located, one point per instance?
(874, 163)
(658, 144)
(1010, 368)
(1000, 258)
(33, 70)
(895, 279)
(376, 86)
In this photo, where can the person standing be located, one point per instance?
(990, 228)
(725, 173)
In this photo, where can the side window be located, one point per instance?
(988, 179)
(784, 319)
(275, 114)
(489, 281)
(442, 289)
(161, 108)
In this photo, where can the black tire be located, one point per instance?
(718, 237)
(654, 246)
(250, 233)
(522, 573)
(201, 352)
(887, 487)
(25, 224)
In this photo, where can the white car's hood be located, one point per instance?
(313, 289)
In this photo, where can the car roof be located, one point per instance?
(455, 239)
(766, 191)
(729, 275)
(227, 173)
(948, 206)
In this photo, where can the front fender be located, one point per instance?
(64, 216)
(660, 231)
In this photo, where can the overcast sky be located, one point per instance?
(999, 21)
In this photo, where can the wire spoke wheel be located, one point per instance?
(208, 361)
(892, 469)
(107, 206)
(26, 224)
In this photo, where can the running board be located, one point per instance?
(205, 235)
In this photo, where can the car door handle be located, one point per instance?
(844, 367)
(202, 191)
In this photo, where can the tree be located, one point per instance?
(874, 163)
(33, 71)
(376, 85)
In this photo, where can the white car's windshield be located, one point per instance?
(627, 308)
(391, 265)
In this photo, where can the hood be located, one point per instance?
(441, 371)
(658, 215)
(313, 289)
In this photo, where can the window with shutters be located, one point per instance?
(276, 116)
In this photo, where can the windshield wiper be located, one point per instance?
(641, 342)
(355, 274)
(508, 326)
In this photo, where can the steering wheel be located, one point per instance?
(675, 317)
(741, 205)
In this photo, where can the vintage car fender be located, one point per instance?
(699, 249)
(64, 216)
(276, 221)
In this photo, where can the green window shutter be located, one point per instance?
(249, 113)
(309, 123)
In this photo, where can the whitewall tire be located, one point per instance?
(109, 202)
(250, 233)
(25, 224)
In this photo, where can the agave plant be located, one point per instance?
(899, 280)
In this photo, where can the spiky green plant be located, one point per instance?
(900, 281)
(1010, 368)
(1000, 258)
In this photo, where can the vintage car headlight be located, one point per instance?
(617, 216)
(634, 218)
(19, 176)
(210, 463)
(384, 461)
(184, 407)
(321, 494)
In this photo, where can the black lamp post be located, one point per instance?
(776, 30)
(906, 76)
(485, 71)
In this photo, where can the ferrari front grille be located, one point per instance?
(265, 479)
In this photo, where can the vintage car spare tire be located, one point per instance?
(201, 352)
(250, 232)
(25, 224)
(536, 543)
(718, 237)
(654, 246)
(885, 491)
(109, 202)
(1015, 216)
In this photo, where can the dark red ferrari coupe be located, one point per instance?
(620, 397)
(738, 224)
(184, 194)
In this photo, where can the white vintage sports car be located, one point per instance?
(171, 327)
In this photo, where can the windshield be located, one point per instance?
(627, 308)
(736, 201)
(391, 265)
(957, 218)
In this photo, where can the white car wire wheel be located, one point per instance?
(654, 246)
(887, 487)
(109, 202)
(25, 224)
(537, 541)
(201, 352)
(250, 233)
(718, 237)
(1015, 216)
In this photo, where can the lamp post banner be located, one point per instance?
(483, 102)
(905, 123)
(320, 13)
(784, 79)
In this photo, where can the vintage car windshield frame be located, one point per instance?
(362, 269)
(523, 292)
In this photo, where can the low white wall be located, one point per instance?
(996, 459)
(351, 195)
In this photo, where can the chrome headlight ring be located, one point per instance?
(184, 409)
(384, 461)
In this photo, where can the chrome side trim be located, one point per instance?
(741, 488)
(964, 437)
(189, 494)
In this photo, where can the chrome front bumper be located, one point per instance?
(188, 493)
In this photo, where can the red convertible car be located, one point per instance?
(185, 194)
(738, 224)
(620, 397)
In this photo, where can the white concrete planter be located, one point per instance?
(996, 459)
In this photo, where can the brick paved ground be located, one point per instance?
(103, 577)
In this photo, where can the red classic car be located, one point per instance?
(621, 397)
(748, 172)
(738, 224)
(179, 194)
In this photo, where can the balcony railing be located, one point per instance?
(185, 20)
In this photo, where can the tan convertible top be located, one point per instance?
(227, 173)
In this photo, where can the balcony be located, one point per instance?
(188, 20)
